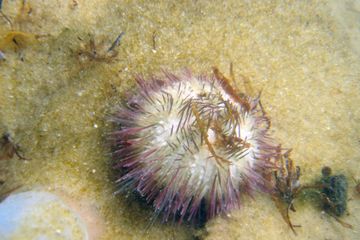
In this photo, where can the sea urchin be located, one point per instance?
(186, 142)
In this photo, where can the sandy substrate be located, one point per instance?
(55, 98)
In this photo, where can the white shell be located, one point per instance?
(39, 215)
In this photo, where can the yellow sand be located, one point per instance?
(303, 55)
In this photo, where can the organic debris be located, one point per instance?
(7, 151)
(74, 4)
(7, 19)
(8, 148)
(15, 40)
(357, 186)
(335, 190)
(287, 187)
(116, 42)
(154, 41)
(99, 53)
(24, 13)
(334, 194)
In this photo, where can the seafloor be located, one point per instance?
(56, 96)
